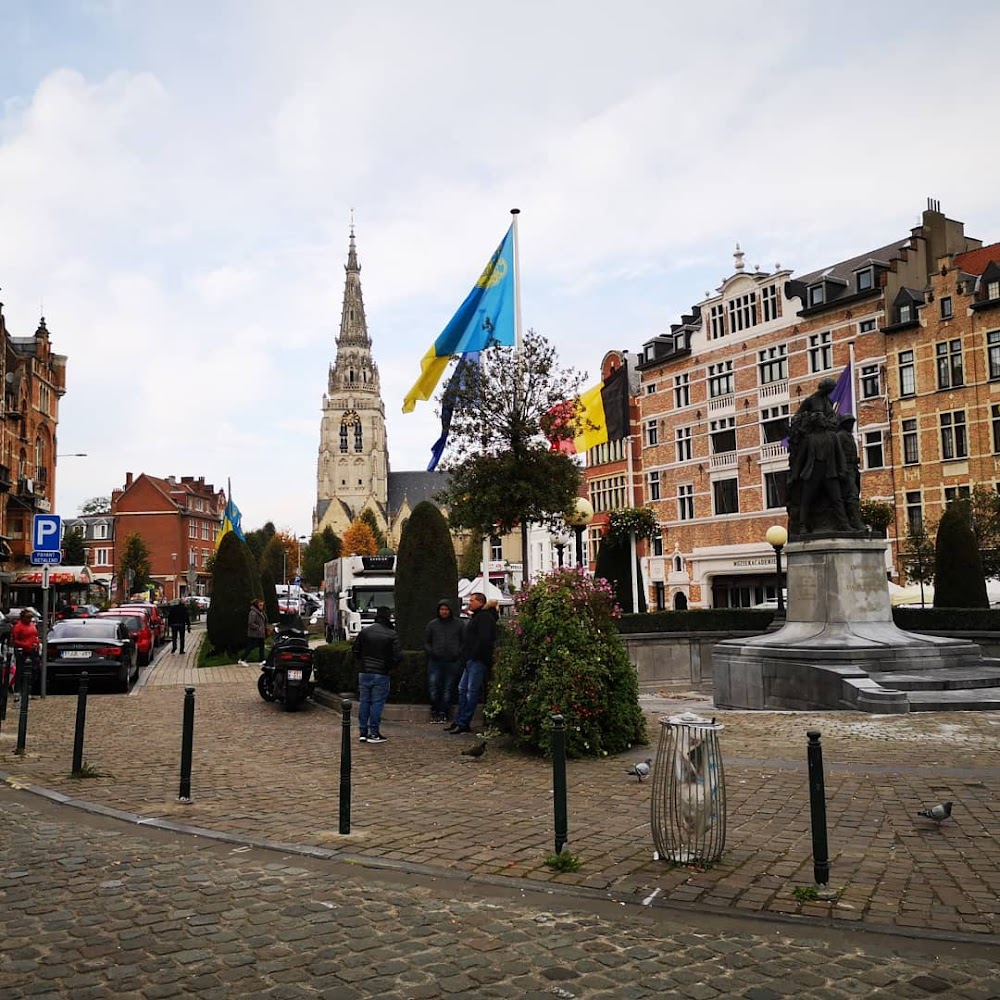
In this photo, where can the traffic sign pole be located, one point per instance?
(45, 630)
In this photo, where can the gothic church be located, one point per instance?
(352, 472)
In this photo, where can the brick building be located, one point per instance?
(34, 380)
(718, 391)
(178, 520)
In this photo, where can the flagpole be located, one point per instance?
(518, 361)
(855, 396)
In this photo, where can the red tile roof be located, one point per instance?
(975, 261)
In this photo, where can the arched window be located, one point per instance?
(39, 453)
(350, 377)
(357, 436)
(680, 602)
(343, 437)
(678, 564)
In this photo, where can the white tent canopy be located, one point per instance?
(493, 593)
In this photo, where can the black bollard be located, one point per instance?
(4, 681)
(345, 767)
(817, 810)
(187, 745)
(559, 781)
(81, 722)
(22, 719)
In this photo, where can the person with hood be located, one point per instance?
(443, 646)
(256, 631)
(377, 650)
(477, 652)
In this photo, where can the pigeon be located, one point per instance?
(641, 769)
(938, 813)
(477, 751)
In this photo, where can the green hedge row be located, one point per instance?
(947, 619)
(337, 673)
(698, 620)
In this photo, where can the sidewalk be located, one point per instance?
(263, 774)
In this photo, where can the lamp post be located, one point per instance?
(560, 541)
(776, 537)
(173, 557)
(578, 518)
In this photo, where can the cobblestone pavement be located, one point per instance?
(261, 774)
(90, 908)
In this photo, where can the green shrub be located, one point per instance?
(426, 573)
(561, 653)
(269, 594)
(698, 620)
(959, 581)
(337, 673)
(947, 619)
(612, 565)
(232, 589)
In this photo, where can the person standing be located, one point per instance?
(256, 630)
(180, 624)
(477, 652)
(24, 639)
(377, 650)
(443, 646)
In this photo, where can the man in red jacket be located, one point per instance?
(24, 638)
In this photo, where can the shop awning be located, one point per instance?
(58, 576)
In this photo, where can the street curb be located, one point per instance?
(800, 922)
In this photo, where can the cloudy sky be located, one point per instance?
(176, 182)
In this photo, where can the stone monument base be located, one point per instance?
(838, 632)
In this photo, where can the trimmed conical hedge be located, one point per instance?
(233, 587)
(958, 570)
(426, 573)
(612, 565)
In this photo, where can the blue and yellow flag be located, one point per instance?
(230, 520)
(484, 319)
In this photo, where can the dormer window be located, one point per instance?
(905, 313)
(816, 295)
(993, 290)
(865, 280)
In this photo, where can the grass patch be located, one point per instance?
(88, 771)
(564, 862)
(208, 657)
(813, 893)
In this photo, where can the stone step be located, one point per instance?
(940, 678)
(976, 700)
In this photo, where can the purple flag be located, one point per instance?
(842, 396)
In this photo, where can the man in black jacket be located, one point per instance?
(377, 650)
(443, 646)
(477, 651)
(180, 624)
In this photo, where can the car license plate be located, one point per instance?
(76, 654)
(295, 675)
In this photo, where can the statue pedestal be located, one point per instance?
(838, 631)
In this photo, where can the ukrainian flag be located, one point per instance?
(230, 521)
(484, 319)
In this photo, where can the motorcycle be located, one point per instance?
(286, 674)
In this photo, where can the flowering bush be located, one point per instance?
(877, 514)
(561, 653)
(621, 524)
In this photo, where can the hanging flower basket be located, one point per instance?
(640, 521)
(877, 514)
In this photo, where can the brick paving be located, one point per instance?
(263, 774)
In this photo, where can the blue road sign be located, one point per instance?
(46, 539)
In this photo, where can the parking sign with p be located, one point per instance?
(46, 539)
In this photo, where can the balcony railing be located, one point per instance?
(726, 402)
(772, 451)
(726, 460)
(772, 392)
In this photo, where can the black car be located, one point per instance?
(101, 646)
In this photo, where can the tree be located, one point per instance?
(359, 540)
(612, 565)
(561, 653)
(274, 558)
(74, 551)
(258, 538)
(984, 508)
(503, 472)
(916, 555)
(270, 595)
(134, 568)
(321, 549)
(958, 570)
(471, 563)
(426, 573)
(368, 516)
(95, 505)
(232, 590)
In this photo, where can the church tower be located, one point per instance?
(353, 467)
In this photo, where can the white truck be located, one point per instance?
(354, 586)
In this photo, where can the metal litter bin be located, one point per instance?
(689, 790)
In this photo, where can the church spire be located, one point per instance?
(354, 369)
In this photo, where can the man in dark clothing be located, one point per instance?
(377, 650)
(477, 652)
(180, 624)
(443, 646)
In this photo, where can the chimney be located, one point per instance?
(128, 479)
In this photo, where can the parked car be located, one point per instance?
(157, 620)
(100, 646)
(140, 630)
(201, 603)
(76, 611)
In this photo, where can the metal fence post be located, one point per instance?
(187, 745)
(817, 810)
(345, 767)
(559, 781)
(81, 722)
(4, 681)
(22, 719)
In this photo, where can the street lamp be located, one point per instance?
(578, 518)
(776, 537)
(173, 557)
(560, 541)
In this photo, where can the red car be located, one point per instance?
(157, 622)
(136, 620)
